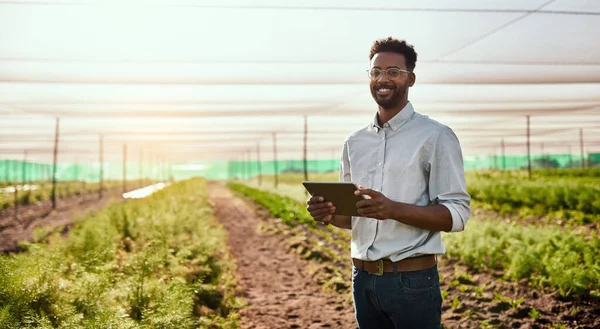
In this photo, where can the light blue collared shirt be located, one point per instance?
(411, 159)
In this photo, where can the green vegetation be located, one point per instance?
(160, 262)
(547, 256)
(571, 198)
(571, 195)
(291, 212)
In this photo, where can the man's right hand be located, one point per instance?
(319, 210)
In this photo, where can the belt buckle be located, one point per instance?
(379, 268)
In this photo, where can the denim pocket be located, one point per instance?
(420, 281)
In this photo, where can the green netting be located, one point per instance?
(13, 170)
(20, 171)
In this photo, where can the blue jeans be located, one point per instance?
(402, 300)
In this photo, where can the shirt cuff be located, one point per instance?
(457, 223)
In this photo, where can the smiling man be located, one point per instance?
(410, 167)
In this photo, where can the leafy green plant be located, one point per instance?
(445, 294)
(546, 256)
(534, 314)
(159, 262)
(455, 302)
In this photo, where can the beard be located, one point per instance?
(389, 101)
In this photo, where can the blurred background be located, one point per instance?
(159, 90)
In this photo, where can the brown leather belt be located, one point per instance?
(378, 267)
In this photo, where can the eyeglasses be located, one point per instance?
(391, 73)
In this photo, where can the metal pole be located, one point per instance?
(528, 149)
(275, 164)
(305, 148)
(124, 168)
(53, 194)
(101, 168)
(581, 147)
(258, 163)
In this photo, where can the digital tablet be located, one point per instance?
(341, 194)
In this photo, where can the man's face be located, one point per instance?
(388, 92)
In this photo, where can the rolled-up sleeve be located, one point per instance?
(447, 184)
(344, 172)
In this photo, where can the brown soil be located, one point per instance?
(472, 300)
(41, 215)
(277, 286)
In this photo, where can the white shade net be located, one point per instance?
(208, 80)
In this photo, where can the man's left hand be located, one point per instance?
(377, 206)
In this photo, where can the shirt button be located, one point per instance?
(379, 164)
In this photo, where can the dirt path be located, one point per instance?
(278, 291)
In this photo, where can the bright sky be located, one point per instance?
(202, 80)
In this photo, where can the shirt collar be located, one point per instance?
(397, 121)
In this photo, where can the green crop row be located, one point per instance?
(159, 262)
(547, 257)
(539, 173)
(574, 199)
(542, 195)
(292, 213)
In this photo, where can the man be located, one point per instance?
(410, 167)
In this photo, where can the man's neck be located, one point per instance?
(385, 115)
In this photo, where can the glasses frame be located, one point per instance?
(386, 73)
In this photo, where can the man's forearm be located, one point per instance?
(433, 218)
(342, 221)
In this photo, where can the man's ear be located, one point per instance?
(412, 79)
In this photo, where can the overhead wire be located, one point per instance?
(309, 8)
(495, 30)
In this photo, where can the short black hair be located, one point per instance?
(396, 46)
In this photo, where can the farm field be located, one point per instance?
(566, 197)
(503, 271)
(149, 263)
(207, 254)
